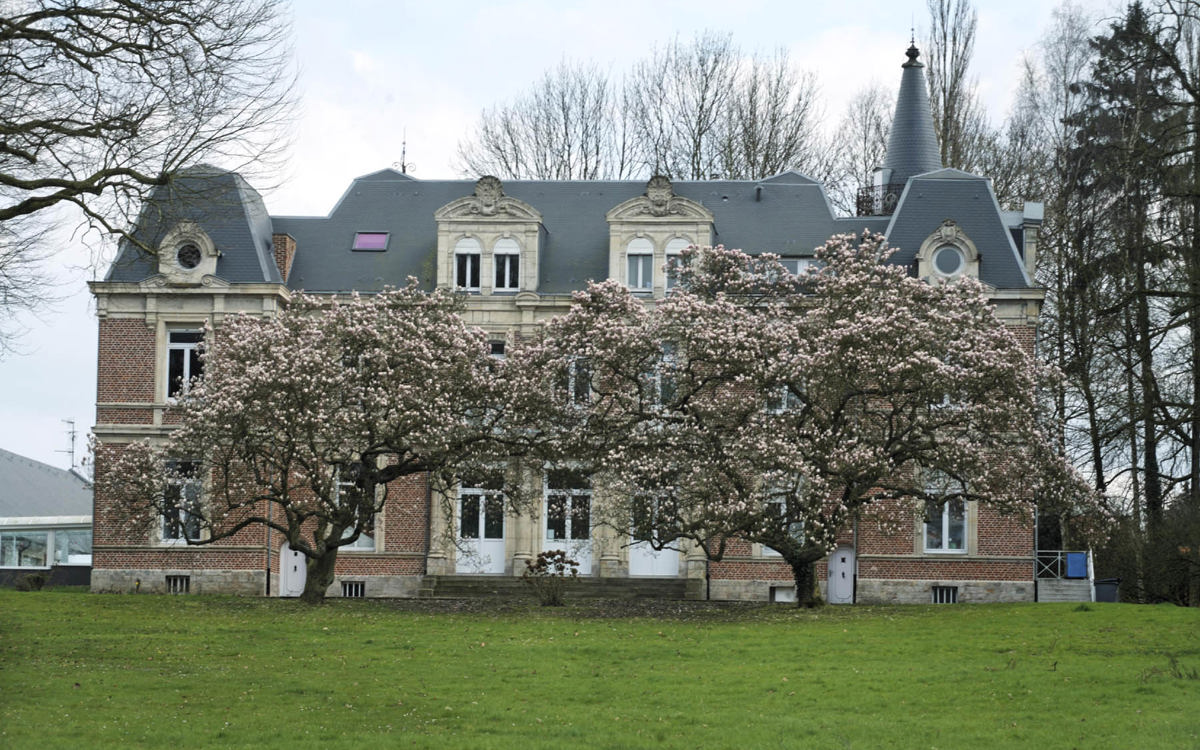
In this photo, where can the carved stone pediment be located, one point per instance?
(659, 204)
(488, 203)
(173, 281)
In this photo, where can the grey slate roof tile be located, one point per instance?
(31, 488)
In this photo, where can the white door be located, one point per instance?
(480, 533)
(841, 576)
(644, 560)
(568, 517)
(293, 571)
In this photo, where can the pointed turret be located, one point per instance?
(912, 145)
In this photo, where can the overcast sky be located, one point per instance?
(377, 72)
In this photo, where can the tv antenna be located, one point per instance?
(71, 433)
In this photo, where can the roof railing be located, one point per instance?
(878, 200)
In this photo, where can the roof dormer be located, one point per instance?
(488, 242)
(644, 232)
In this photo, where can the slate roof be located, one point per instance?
(968, 199)
(912, 142)
(787, 214)
(230, 211)
(31, 488)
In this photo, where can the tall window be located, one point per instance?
(481, 507)
(576, 384)
(775, 516)
(674, 261)
(946, 519)
(506, 257)
(568, 505)
(660, 384)
(183, 360)
(639, 257)
(946, 526)
(349, 493)
(467, 254)
(181, 502)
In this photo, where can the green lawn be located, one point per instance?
(86, 671)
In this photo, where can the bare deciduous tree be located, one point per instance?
(691, 110)
(567, 128)
(961, 123)
(101, 100)
(772, 128)
(860, 144)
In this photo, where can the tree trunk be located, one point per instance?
(319, 576)
(804, 572)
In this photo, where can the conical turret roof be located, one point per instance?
(912, 145)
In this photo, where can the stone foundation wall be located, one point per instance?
(380, 587)
(754, 591)
(127, 581)
(899, 591)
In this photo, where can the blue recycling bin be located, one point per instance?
(1077, 564)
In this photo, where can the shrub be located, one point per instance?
(547, 575)
(32, 582)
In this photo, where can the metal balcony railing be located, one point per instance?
(1060, 563)
(878, 200)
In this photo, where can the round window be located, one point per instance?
(948, 260)
(188, 256)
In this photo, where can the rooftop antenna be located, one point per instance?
(71, 434)
(403, 163)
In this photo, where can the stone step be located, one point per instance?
(459, 587)
(1063, 590)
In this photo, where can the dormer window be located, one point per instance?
(467, 258)
(370, 241)
(506, 260)
(187, 254)
(648, 233)
(947, 254)
(488, 242)
(640, 264)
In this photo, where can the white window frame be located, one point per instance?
(795, 530)
(664, 371)
(365, 542)
(469, 249)
(640, 277)
(10, 555)
(173, 530)
(674, 247)
(943, 522)
(572, 495)
(506, 264)
(487, 497)
(188, 353)
(578, 376)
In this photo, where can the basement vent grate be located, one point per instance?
(945, 594)
(179, 584)
(354, 589)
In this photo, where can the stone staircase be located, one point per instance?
(510, 587)
(1064, 590)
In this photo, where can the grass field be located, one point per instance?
(86, 671)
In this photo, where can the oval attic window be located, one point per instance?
(948, 260)
(188, 256)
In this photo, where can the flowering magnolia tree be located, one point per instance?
(301, 420)
(755, 404)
